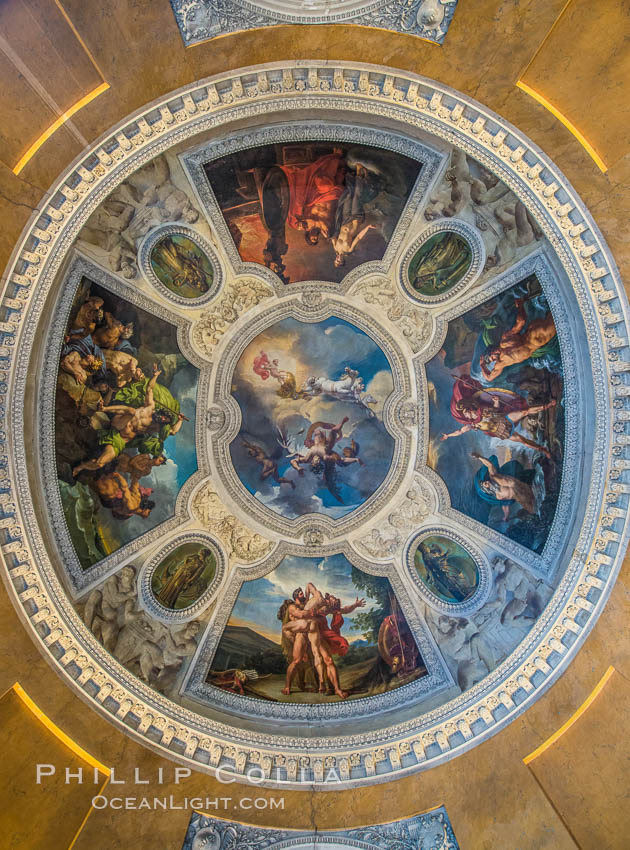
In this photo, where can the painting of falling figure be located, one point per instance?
(330, 642)
(124, 422)
(312, 439)
(497, 414)
(312, 210)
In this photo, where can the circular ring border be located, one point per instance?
(453, 609)
(593, 566)
(465, 231)
(144, 263)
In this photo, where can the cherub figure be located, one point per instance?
(269, 466)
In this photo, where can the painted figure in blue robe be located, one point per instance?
(82, 358)
(449, 575)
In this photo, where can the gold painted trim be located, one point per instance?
(30, 153)
(588, 147)
(57, 732)
(573, 719)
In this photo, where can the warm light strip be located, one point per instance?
(88, 98)
(78, 37)
(52, 727)
(87, 814)
(588, 147)
(585, 705)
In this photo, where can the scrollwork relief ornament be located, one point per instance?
(242, 544)
(238, 297)
(311, 299)
(386, 539)
(215, 418)
(407, 413)
(199, 20)
(413, 323)
(313, 536)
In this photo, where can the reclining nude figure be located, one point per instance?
(519, 343)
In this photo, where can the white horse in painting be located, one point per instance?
(348, 387)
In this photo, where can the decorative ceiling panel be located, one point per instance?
(199, 20)
(312, 424)
(430, 831)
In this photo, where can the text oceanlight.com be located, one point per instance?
(199, 804)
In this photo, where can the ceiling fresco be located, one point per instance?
(311, 425)
(199, 20)
(288, 383)
(125, 412)
(312, 443)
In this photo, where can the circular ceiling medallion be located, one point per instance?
(446, 258)
(451, 576)
(181, 264)
(311, 424)
(181, 579)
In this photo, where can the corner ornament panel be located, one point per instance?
(593, 555)
(200, 20)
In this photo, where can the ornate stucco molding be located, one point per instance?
(594, 547)
(199, 20)
(220, 443)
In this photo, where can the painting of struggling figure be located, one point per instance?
(497, 414)
(339, 634)
(312, 437)
(312, 210)
(124, 422)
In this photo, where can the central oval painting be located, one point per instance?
(312, 438)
